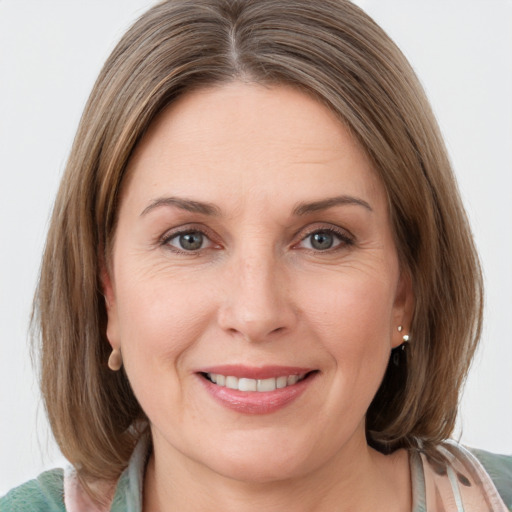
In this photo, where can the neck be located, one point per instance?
(358, 479)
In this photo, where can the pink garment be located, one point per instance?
(77, 500)
(462, 485)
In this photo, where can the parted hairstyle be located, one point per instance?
(333, 51)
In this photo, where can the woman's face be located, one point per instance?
(254, 249)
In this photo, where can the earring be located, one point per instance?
(399, 352)
(115, 360)
(405, 337)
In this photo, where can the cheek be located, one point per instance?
(350, 307)
(160, 321)
(353, 318)
(161, 318)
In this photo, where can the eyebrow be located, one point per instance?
(212, 210)
(324, 204)
(184, 204)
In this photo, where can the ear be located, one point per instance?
(403, 309)
(107, 286)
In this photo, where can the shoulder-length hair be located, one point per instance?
(333, 51)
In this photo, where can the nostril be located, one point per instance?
(255, 320)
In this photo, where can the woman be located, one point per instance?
(259, 276)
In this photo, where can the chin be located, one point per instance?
(261, 461)
(251, 470)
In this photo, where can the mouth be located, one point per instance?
(256, 390)
(247, 384)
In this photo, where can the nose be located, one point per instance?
(257, 304)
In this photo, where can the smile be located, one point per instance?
(256, 390)
(255, 385)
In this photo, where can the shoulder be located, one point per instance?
(492, 471)
(43, 494)
(499, 468)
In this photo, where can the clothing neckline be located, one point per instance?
(459, 485)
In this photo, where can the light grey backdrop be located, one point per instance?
(50, 54)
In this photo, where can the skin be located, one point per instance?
(258, 292)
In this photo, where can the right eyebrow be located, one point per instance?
(188, 205)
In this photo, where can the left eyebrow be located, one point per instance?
(324, 204)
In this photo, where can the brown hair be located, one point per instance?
(335, 52)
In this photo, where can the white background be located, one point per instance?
(50, 54)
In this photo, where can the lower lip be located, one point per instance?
(256, 402)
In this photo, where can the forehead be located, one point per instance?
(273, 141)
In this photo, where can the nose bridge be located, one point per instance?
(257, 304)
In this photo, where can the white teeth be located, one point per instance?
(261, 385)
(281, 382)
(292, 379)
(232, 382)
(247, 385)
(266, 384)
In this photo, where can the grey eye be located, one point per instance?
(322, 240)
(325, 240)
(192, 241)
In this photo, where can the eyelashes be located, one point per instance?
(193, 240)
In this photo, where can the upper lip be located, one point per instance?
(253, 372)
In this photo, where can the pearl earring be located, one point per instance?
(405, 337)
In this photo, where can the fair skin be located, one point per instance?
(254, 240)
